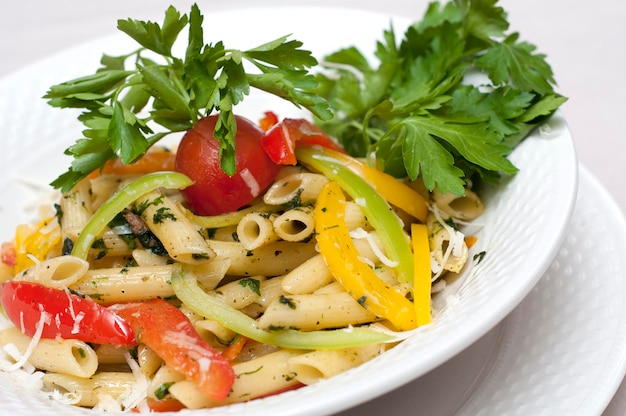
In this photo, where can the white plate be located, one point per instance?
(524, 222)
(562, 351)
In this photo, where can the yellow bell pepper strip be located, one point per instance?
(378, 212)
(120, 200)
(395, 192)
(35, 241)
(359, 279)
(186, 288)
(422, 278)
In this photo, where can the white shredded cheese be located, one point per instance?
(21, 362)
(379, 253)
(250, 181)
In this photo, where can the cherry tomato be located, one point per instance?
(167, 330)
(213, 191)
(281, 140)
(70, 316)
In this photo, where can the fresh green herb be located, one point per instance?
(175, 91)
(144, 204)
(287, 301)
(296, 201)
(162, 214)
(163, 390)
(478, 257)
(417, 109)
(253, 284)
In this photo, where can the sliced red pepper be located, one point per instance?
(281, 140)
(269, 119)
(9, 254)
(161, 406)
(167, 330)
(70, 316)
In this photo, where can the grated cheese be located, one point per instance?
(250, 181)
(23, 360)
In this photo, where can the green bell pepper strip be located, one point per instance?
(375, 207)
(186, 288)
(120, 200)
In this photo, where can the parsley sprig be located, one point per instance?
(417, 111)
(131, 95)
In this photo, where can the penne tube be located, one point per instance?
(148, 360)
(307, 277)
(103, 186)
(254, 378)
(90, 391)
(314, 366)
(77, 209)
(296, 224)
(255, 230)
(298, 188)
(56, 272)
(178, 235)
(145, 257)
(314, 312)
(273, 259)
(111, 354)
(240, 293)
(164, 376)
(126, 284)
(468, 206)
(72, 357)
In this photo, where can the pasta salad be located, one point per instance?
(253, 257)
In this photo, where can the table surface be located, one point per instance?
(583, 42)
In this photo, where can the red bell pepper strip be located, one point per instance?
(70, 316)
(269, 119)
(280, 141)
(167, 330)
(8, 254)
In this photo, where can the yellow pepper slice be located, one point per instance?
(343, 259)
(395, 192)
(35, 241)
(422, 273)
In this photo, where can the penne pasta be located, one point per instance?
(256, 230)
(178, 235)
(126, 284)
(314, 312)
(301, 188)
(57, 272)
(70, 357)
(273, 259)
(296, 224)
(317, 365)
(76, 208)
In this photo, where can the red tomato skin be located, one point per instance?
(213, 191)
(167, 330)
(71, 316)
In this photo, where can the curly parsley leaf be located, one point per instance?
(449, 102)
(134, 100)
